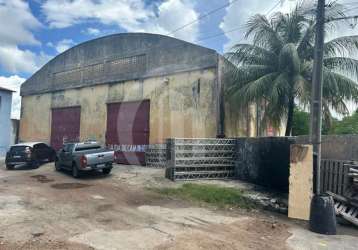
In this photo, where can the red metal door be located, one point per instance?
(65, 125)
(128, 131)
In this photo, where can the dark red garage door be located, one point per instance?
(65, 125)
(128, 130)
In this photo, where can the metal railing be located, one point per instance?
(155, 156)
(202, 158)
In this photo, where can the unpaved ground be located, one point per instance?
(44, 209)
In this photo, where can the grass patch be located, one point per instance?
(210, 194)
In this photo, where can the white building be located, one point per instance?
(5, 119)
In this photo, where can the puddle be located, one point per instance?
(74, 185)
(42, 178)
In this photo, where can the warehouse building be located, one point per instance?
(130, 90)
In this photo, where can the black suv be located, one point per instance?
(30, 153)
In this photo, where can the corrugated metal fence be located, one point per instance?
(334, 175)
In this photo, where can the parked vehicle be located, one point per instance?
(84, 156)
(29, 153)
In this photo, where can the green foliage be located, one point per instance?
(211, 194)
(300, 125)
(348, 125)
(276, 68)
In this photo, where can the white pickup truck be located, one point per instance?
(84, 156)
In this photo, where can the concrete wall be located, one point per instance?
(181, 105)
(118, 57)
(337, 147)
(5, 121)
(301, 181)
(14, 131)
(264, 161)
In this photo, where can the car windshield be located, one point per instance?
(18, 149)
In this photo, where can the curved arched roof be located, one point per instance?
(116, 58)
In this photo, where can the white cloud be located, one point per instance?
(92, 31)
(16, 29)
(132, 15)
(63, 45)
(15, 60)
(239, 12)
(13, 82)
(17, 23)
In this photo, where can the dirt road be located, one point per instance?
(44, 209)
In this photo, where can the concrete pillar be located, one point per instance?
(300, 181)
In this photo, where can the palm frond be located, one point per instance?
(346, 65)
(305, 45)
(289, 59)
(250, 54)
(245, 74)
(345, 45)
(264, 34)
(254, 91)
(339, 87)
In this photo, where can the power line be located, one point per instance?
(350, 3)
(341, 18)
(202, 16)
(349, 10)
(221, 33)
(274, 7)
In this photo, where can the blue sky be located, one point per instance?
(35, 31)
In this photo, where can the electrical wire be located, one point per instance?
(202, 17)
(274, 7)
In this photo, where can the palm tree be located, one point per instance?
(276, 68)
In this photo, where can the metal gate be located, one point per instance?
(128, 131)
(65, 125)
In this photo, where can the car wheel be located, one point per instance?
(9, 167)
(106, 170)
(75, 171)
(57, 165)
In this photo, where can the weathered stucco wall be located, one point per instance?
(181, 105)
(301, 181)
(264, 161)
(337, 147)
(35, 120)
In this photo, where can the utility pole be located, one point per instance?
(322, 213)
(316, 98)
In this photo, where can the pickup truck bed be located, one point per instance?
(86, 156)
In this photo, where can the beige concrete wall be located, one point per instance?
(300, 181)
(239, 121)
(243, 122)
(35, 118)
(181, 105)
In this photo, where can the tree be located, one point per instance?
(348, 125)
(300, 122)
(276, 68)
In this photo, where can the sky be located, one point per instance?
(33, 32)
